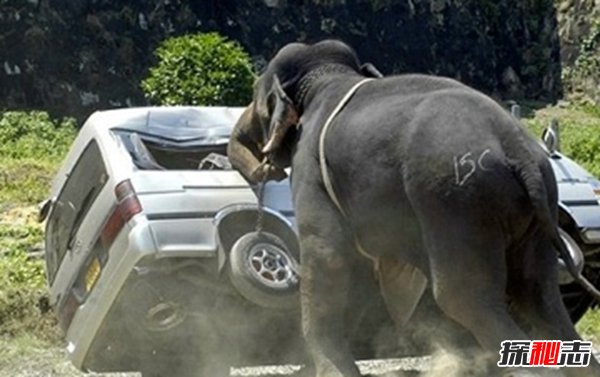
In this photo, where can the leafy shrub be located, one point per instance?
(200, 69)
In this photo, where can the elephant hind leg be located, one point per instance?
(538, 301)
(467, 263)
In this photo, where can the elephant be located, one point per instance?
(427, 179)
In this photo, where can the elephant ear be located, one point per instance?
(283, 116)
(369, 70)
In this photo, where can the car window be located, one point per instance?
(81, 188)
(168, 155)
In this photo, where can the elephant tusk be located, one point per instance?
(275, 140)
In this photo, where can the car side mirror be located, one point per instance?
(44, 209)
(550, 136)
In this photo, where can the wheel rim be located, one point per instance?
(272, 266)
(575, 253)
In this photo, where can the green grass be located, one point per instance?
(579, 131)
(24, 181)
(23, 293)
(589, 326)
(32, 145)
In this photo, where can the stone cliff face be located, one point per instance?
(575, 19)
(580, 48)
(72, 57)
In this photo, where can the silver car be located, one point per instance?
(151, 238)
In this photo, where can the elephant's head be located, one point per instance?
(267, 129)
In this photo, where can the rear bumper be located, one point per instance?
(127, 250)
(586, 217)
(182, 257)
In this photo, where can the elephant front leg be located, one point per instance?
(326, 270)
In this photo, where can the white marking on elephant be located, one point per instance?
(467, 161)
(480, 160)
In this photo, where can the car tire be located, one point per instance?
(264, 271)
(576, 299)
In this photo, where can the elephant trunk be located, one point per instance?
(283, 117)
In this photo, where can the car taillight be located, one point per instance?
(128, 205)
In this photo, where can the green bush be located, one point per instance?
(34, 135)
(200, 69)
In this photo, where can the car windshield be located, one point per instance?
(83, 185)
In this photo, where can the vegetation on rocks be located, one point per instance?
(580, 49)
(72, 57)
(582, 79)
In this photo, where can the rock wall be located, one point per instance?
(72, 57)
(575, 19)
(580, 49)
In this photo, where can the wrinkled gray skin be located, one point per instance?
(244, 150)
(431, 174)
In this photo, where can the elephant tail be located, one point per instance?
(532, 178)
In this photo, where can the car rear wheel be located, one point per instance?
(576, 299)
(264, 271)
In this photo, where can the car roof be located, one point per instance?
(191, 125)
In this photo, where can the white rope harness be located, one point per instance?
(323, 162)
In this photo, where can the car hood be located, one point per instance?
(573, 181)
(575, 191)
(567, 170)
